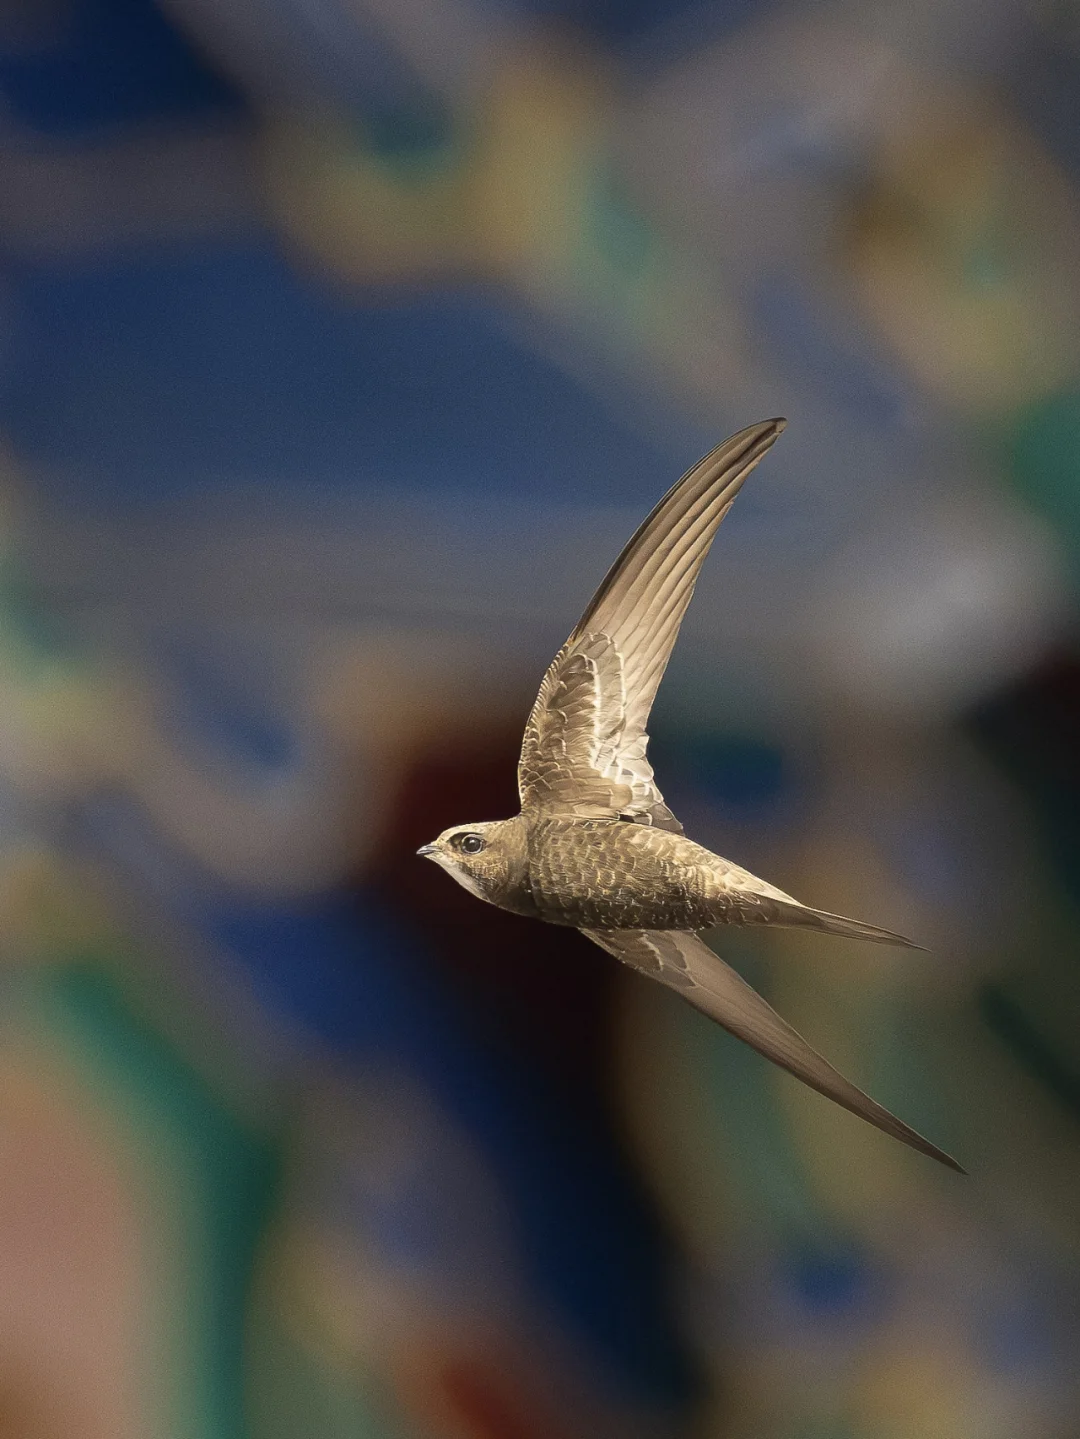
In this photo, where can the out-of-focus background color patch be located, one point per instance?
(342, 344)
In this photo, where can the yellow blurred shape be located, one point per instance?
(48, 911)
(930, 1389)
(501, 196)
(358, 214)
(966, 252)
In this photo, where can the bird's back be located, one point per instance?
(610, 874)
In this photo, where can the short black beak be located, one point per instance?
(425, 850)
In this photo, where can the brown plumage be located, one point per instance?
(596, 847)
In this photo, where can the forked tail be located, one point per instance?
(798, 916)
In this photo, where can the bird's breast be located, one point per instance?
(601, 874)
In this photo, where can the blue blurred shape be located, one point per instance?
(622, 20)
(831, 1283)
(340, 967)
(210, 701)
(743, 773)
(739, 771)
(176, 370)
(112, 63)
(349, 973)
(814, 343)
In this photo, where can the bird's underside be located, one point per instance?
(596, 846)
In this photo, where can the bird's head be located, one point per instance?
(487, 858)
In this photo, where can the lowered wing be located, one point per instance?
(686, 963)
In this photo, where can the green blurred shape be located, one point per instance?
(35, 645)
(616, 226)
(414, 142)
(1044, 459)
(236, 1370)
(297, 1391)
(768, 1179)
(221, 1173)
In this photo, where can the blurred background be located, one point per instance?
(342, 345)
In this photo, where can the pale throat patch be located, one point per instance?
(465, 880)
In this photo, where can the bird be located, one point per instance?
(595, 846)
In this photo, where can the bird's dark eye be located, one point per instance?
(470, 844)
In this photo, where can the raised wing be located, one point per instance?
(585, 742)
(686, 963)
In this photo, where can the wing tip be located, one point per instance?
(762, 435)
(939, 1154)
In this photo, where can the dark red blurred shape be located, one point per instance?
(537, 988)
